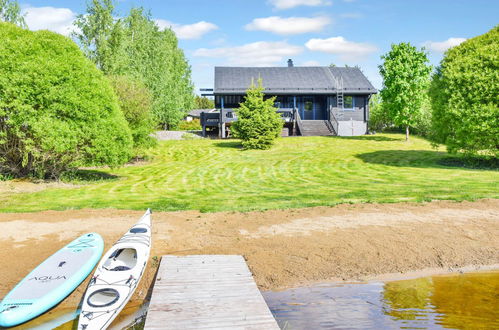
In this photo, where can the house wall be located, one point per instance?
(358, 113)
(321, 104)
(352, 128)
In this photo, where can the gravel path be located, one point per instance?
(175, 135)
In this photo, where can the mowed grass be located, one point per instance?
(216, 175)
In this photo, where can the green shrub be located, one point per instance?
(379, 119)
(422, 123)
(193, 125)
(258, 123)
(464, 94)
(135, 102)
(57, 110)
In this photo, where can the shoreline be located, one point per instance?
(283, 248)
(394, 277)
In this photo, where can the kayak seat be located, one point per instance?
(121, 260)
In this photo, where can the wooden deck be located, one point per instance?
(207, 292)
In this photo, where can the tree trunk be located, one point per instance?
(407, 133)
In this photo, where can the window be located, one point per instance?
(309, 106)
(348, 102)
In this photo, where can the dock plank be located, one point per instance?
(207, 292)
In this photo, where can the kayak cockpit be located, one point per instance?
(103, 298)
(121, 260)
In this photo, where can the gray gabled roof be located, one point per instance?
(292, 80)
(196, 113)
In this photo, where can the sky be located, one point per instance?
(311, 32)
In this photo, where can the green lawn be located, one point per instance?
(215, 175)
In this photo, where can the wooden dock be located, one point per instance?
(207, 292)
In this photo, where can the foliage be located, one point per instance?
(136, 102)
(135, 46)
(423, 124)
(465, 97)
(57, 111)
(258, 123)
(202, 102)
(98, 36)
(214, 175)
(405, 73)
(193, 125)
(10, 12)
(379, 119)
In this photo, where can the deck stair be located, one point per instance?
(315, 128)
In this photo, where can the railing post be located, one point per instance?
(203, 123)
(220, 121)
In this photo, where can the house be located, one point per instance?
(196, 114)
(312, 100)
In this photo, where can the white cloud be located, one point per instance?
(187, 31)
(442, 46)
(311, 63)
(261, 53)
(347, 50)
(287, 4)
(290, 25)
(59, 20)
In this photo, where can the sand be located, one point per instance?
(283, 248)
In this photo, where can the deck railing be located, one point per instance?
(230, 115)
(297, 118)
(221, 117)
(333, 122)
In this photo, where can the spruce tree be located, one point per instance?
(258, 123)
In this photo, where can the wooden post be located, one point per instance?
(203, 123)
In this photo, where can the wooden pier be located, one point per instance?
(207, 292)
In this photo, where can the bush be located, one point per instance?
(258, 123)
(379, 119)
(464, 94)
(135, 102)
(193, 125)
(422, 123)
(57, 110)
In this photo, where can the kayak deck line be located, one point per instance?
(211, 291)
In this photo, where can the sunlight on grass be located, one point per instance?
(214, 175)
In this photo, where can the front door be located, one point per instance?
(320, 106)
(308, 108)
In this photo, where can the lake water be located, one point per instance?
(465, 301)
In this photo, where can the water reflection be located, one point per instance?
(467, 301)
(131, 317)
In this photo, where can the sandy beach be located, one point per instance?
(283, 248)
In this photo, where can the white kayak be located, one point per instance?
(116, 277)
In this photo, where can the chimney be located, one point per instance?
(290, 63)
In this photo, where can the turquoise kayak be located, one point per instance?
(52, 281)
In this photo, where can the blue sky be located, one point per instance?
(311, 32)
